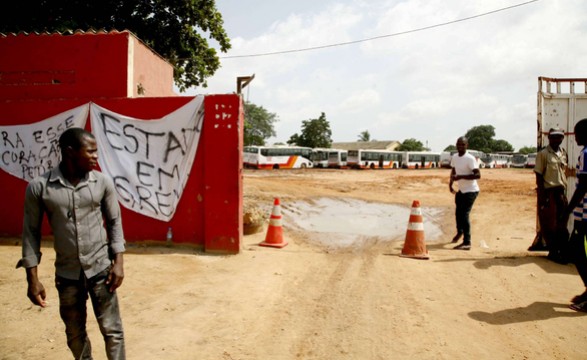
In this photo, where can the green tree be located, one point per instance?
(295, 139)
(258, 124)
(411, 145)
(528, 150)
(501, 146)
(450, 148)
(177, 30)
(364, 136)
(315, 133)
(481, 138)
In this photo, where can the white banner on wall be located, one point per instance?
(149, 161)
(27, 151)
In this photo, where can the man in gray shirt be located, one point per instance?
(78, 202)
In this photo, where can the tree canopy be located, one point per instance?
(528, 150)
(411, 145)
(501, 146)
(258, 124)
(315, 133)
(364, 136)
(177, 30)
(482, 138)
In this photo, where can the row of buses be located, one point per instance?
(494, 161)
(296, 157)
(523, 160)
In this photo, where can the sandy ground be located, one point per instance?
(310, 301)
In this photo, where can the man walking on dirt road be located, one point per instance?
(465, 171)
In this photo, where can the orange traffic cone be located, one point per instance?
(414, 245)
(274, 236)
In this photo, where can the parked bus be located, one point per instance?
(496, 161)
(519, 160)
(374, 159)
(337, 158)
(531, 160)
(319, 157)
(277, 157)
(446, 157)
(420, 160)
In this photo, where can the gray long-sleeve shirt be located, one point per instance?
(85, 220)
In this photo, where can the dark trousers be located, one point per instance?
(73, 295)
(464, 203)
(577, 245)
(553, 225)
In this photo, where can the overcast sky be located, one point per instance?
(432, 85)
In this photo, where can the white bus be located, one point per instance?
(319, 157)
(531, 160)
(519, 160)
(337, 158)
(446, 157)
(374, 159)
(277, 157)
(496, 161)
(420, 160)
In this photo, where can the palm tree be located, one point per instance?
(364, 136)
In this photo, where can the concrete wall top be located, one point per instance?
(100, 64)
(150, 74)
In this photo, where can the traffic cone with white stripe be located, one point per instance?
(414, 245)
(274, 237)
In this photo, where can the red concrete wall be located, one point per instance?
(209, 213)
(43, 75)
(55, 66)
(85, 65)
(223, 149)
(150, 71)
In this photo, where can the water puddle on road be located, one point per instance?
(348, 222)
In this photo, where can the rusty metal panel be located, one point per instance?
(555, 114)
(561, 103)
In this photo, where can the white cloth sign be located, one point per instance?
(149, 161)
(27, 151)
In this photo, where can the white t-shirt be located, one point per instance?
(464, 165)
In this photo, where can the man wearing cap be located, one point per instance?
(551, 181)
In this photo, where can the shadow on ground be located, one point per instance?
(536, 311)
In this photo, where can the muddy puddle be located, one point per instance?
(351, 223)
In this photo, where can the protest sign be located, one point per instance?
(149, 160)
(27, 151)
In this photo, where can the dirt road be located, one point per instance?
(311, 301)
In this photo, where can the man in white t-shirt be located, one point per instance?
(465, 171)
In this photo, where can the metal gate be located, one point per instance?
(561, 103)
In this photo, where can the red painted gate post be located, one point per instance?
(223, 164)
